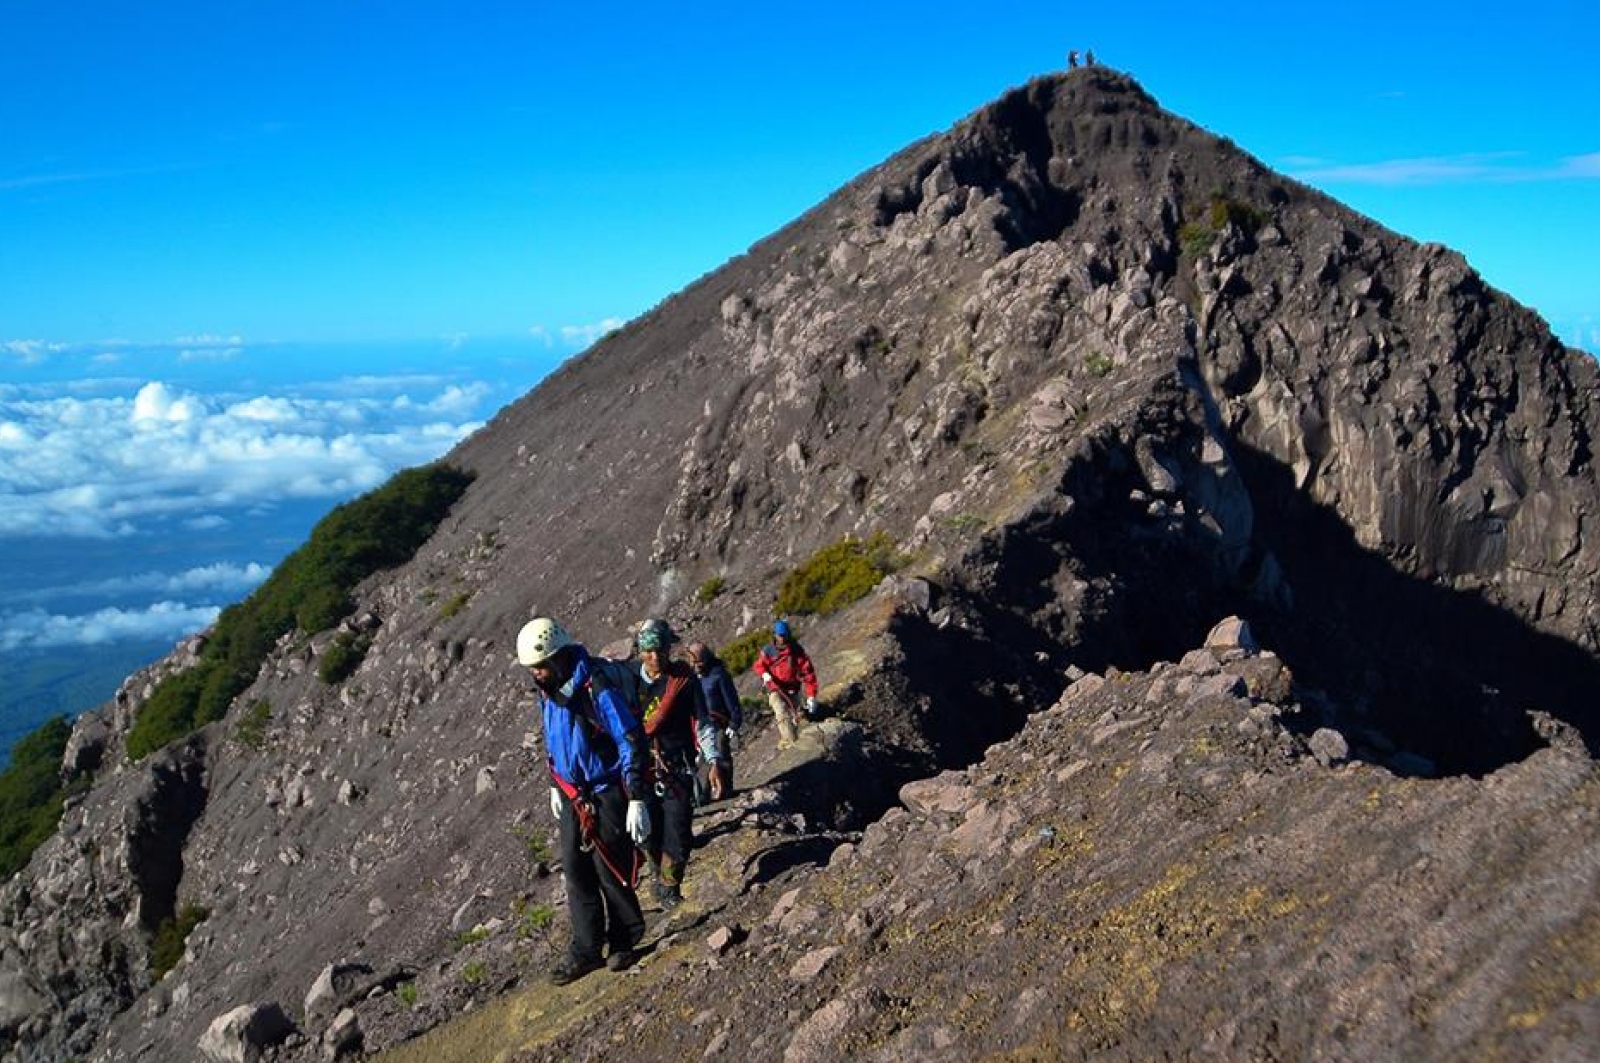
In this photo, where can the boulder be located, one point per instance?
(336, 986)
(241, 1035)
(19, 1001)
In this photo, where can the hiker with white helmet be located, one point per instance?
(594, 747)
(785, 671)
(672, 708)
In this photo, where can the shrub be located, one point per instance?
(1195, 238)
(472, 937)
(837, 575)
(251, 731)
(310, 590)
(407, 992)
(474, 973)
(710, 589)
(32, 795)
(342, 657)
(1225, 212)
(171, 936)
(455, 605)
(740, 654)
(532, 918)
(1098, 363)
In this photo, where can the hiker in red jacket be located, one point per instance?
(785, 672)
(673, 708)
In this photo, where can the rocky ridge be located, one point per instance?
(1105, 378)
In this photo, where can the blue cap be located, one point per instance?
(781, 629)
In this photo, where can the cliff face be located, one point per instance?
(1102, 376)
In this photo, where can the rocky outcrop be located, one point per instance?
(1159, 864)
(1104, 380)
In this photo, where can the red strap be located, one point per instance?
(589, 831)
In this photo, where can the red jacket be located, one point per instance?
(789, 668)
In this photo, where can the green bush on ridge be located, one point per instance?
(836, 576)
(32, 793)
(310, 591)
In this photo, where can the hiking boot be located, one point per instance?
(572, 968)
(621, 959)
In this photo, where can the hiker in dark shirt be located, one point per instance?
(596, 758)
(721, 734)
(672, 708)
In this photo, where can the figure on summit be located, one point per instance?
(673, 709)
(1072, 59)
(722, 703)
(785, 670)
(1088, 57)
(595, 751)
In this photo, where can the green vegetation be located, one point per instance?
(1098, 363)
(474, 973)
(309, 590)
(455, 605)
(407, 992)
(171, 936)
(709, 590)
(1196, 236)
(32, 794)
(532, 919)
(963, 523)
(740, 654)
(534, 843)
(343, 657)
(251, 731)
(472, 937)
(837, 575)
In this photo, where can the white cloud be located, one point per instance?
(31, 352)
(1582, 165)
(37, 629)
(225, 579)
(102, 466)
(585, 335)
(1499, 167)
(210, 354)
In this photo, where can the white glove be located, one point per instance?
(811, 706)
(768, 682)
(733, 739)
(555, 802)
(638, 822)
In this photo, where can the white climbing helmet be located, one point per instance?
(539, 640)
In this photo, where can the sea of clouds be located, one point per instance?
(145, 488)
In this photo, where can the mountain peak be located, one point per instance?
(1098, 379)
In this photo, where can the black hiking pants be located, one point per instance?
(671, 825)
(604, 910)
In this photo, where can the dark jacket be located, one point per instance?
(722, 699)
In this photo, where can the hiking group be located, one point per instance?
(632, 747)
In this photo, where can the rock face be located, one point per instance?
(1107, 381)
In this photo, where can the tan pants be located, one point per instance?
(788, 726)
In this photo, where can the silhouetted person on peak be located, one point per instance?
(1072, 59)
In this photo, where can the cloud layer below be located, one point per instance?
(163, 621)
(106, 467)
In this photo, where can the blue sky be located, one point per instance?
(255, 257)
(336, 171)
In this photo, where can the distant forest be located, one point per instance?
(64, 681)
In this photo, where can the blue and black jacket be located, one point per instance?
(722, 698)
(591, 736)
